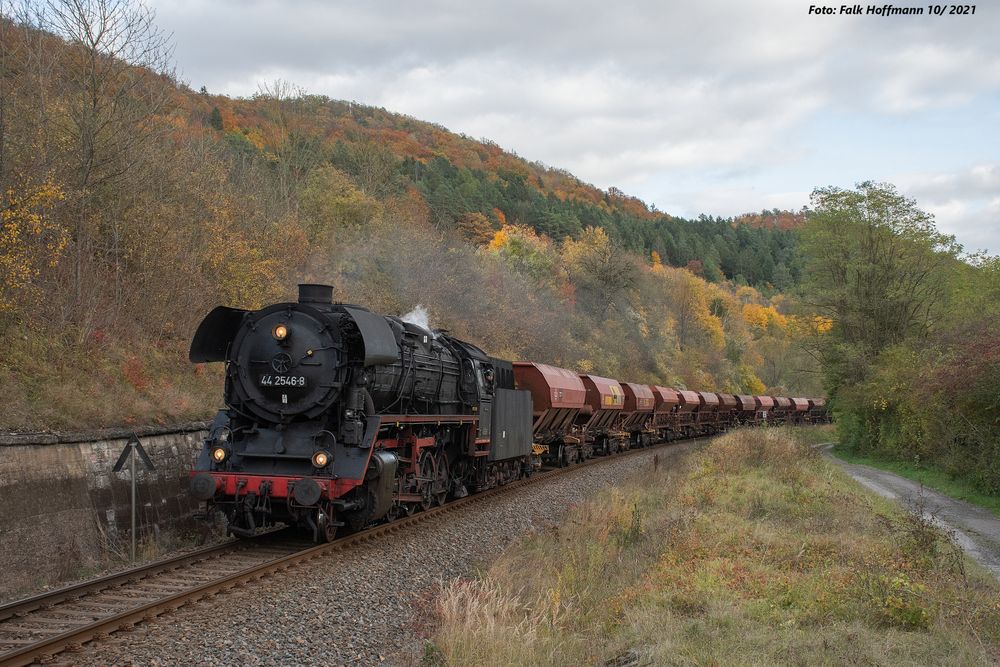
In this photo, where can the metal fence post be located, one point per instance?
(132, 445)
(133, 449)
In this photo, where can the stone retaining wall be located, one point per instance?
(61, 506)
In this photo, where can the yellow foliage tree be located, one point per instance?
(806, 326)
(527, 253)
(248, 265)
(656, 261)
(749, 382)
(330, 199)
(763, 318)
(747, 294)
(599, 268)
(821, 324)
(695, 323)
(29, 238)
(499, 239)
(475, 227)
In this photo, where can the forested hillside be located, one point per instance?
(131, 205)
(476, 187)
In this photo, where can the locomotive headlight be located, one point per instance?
(320, 459)
(280, 332)
(219, 454)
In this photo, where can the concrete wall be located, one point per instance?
(61, 506)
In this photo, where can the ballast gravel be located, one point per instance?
(368, 605)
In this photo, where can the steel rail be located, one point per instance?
(73, 639)
(48, 599)
(131, 575)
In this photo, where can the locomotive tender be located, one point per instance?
(338, 417)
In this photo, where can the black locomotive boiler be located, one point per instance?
(336, 416)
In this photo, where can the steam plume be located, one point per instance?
(419, 317)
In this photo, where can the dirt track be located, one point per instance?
(977, 530)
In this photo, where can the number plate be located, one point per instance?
(282, 381)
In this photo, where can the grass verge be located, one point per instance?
(932, 478)
(752, 551)
(51, 384)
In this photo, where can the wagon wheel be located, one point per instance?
(442, 479)
(428, 478)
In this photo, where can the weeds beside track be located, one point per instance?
(756, 551)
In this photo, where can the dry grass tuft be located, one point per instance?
(752, 551)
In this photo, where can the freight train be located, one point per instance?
(337, 417)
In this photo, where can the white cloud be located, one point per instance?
(734, 201)
(977, 181)
(936, 75)
(965, 203)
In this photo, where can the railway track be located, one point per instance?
(36, 629)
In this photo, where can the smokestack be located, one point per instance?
(315, 294)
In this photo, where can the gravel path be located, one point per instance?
(977, 530)
(362, 607)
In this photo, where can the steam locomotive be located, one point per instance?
(337, 417)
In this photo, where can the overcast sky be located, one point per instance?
(717, 107)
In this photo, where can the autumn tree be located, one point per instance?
(330, 199)
(293, 153)
(905, 332)
(691, 301)
(111, 84)
(526, 253)
(373, 165)
(31, 240)
(475, 227)
(601, 270)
